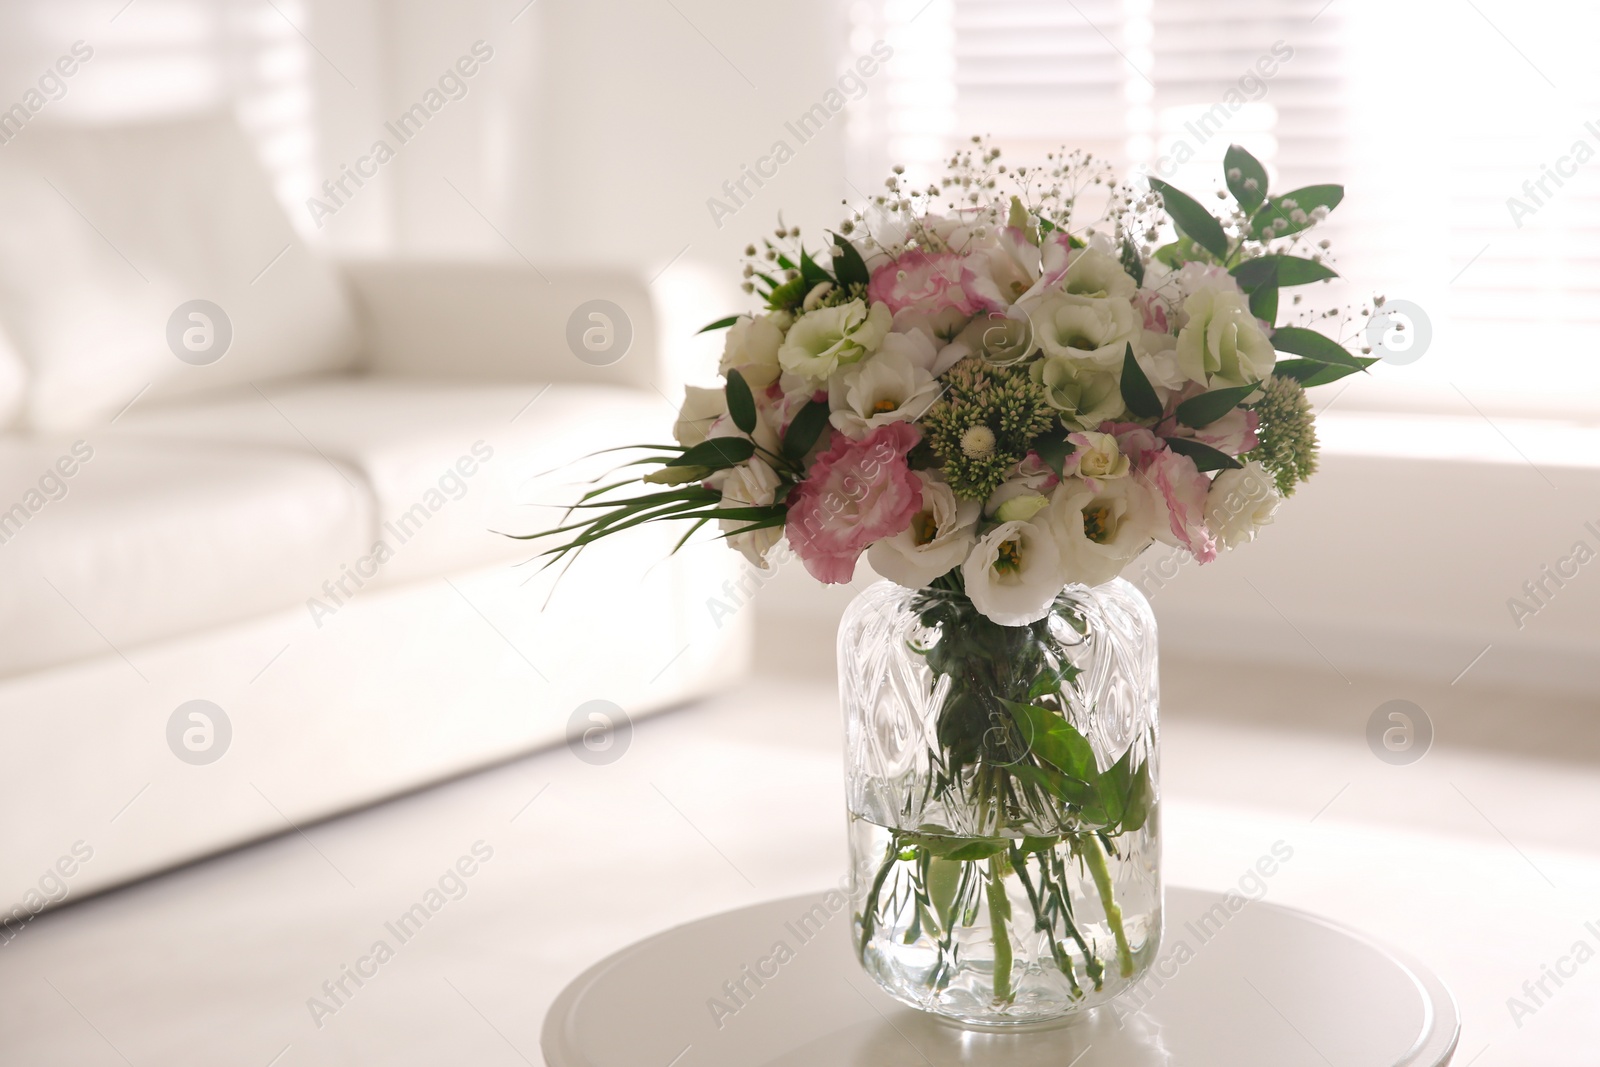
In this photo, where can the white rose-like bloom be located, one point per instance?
(1099, 457)
(1240, 502)
(1098, 531)
(701, 408)
(939, 538)
(751, 483)
(1085, 393)
(883, 388)
(1089, 328)
(1222, 343)
(1095, 273)
(998, 339)
(822, 341)
(1014, 573)
(751, 348)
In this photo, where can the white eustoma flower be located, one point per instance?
(1086, 393)
(822, 341)
(1091, 329)
(1222, 344)
(1099, 528)
(1098, 456)
(883, 388)
(1014, 573)
(1240, 502)
(751, 347)
(999, 339)
(939, 538)
(701, 408)
(752, 483)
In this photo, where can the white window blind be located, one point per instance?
(157, 58)
(1431, 118)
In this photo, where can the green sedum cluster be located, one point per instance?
(1287, 433)
(984, 424)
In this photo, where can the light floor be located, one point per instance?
(1482, 859)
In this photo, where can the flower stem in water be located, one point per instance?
(999, 915)
(1094, 856)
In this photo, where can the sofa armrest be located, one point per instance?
(486, 321)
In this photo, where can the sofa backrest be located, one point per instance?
(109, 239)
(505, 321)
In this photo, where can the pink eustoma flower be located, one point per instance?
(856, 492)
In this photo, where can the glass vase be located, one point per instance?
(1002, 794)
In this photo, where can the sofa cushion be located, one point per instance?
(448, 464)
(107, 234)
(107, 544)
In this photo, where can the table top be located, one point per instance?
(1237, 983)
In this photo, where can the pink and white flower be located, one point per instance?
(855, 493)
(923, 290)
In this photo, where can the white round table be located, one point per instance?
(776, 985)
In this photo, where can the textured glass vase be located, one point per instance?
(1002, 791)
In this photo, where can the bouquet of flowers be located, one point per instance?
(998, 388)
(1004, 399)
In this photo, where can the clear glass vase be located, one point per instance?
(1003, 800)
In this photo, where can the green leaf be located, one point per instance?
(1205, 457)
(1284, 270)
(1248, 167)
(1259, 278)
(1137, 392)
(720, 324)
(808, 424)
(848, 266)
(1299, 341)
(1311, 372)
(716, 453)
(1193, 220)
(1264, 304)
(1053, 739)
(1201, 411)
(1173, 255)
(943, 878)
(1126, 793)
(676, 475)
(1063, 787)
(1307, 199)
(976, 849)
(810, 273)
(1054, 448)
(741, 405)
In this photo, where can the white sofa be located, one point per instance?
(301, 532)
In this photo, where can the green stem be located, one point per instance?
(999, 913)
(1094, 856)
(1041, 923)
(869, 910)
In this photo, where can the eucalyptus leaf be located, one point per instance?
(1201, 411)
(1300, 341)
(807, 426)
(848, 266)
(716, 453)
(1054, 448)
(1283, 270)
(1137, 392)
(741, 405)
(1205, 457)
(1193, 220)
(1274, 214)
(1312, 372)
(1250, 169)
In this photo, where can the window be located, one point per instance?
(1433, 120)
